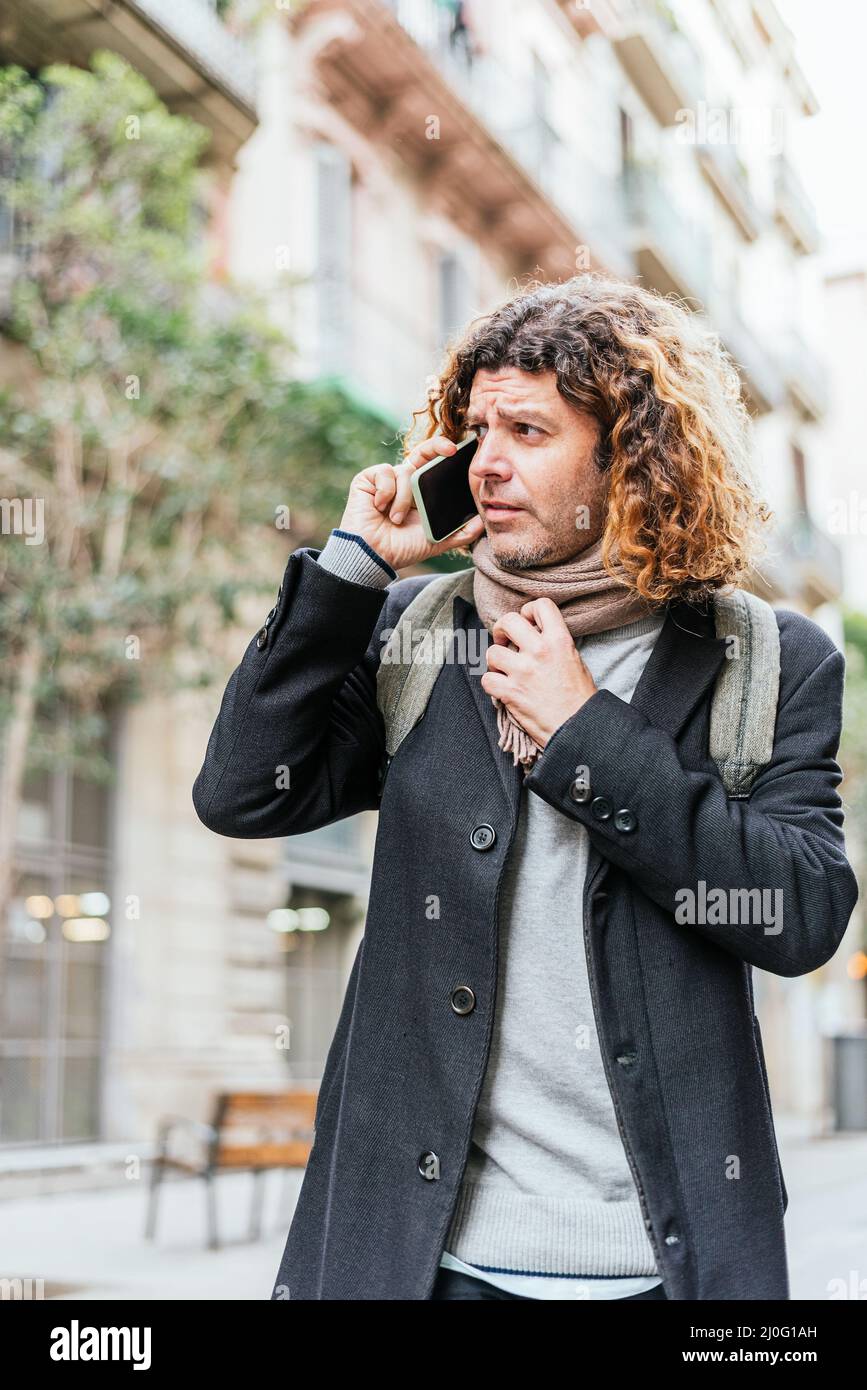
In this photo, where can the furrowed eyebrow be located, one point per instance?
(526, 417)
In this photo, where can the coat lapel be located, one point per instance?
(465, 615)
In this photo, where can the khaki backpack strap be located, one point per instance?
(411, 660)
(744, 707)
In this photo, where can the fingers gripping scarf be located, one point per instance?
(588, 596)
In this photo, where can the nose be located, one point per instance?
(490, 459)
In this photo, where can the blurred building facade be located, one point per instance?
(406, 160)
(845, 506)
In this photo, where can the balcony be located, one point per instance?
(192, 60)
(762, 383)
(793, 210)
(588, 17)
(737, 33)
(806, 377)
(657, 57)
(589, 198)
(805, 563)
(492, 164)
(728, 178)
(429, 25)
(336, 857)
(672, 255)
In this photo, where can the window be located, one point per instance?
(545, 138)
(53, 961)
(320, 943)
(333, 276)
(453, 293)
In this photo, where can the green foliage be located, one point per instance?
(157, 419)
(855, 630)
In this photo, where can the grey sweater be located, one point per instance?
(548, 1205)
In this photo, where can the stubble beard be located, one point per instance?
(528, 555)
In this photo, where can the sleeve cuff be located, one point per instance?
(350, 557)
(591, 768)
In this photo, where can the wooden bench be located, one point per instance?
(250, 1131)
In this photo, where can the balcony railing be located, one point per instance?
(590, 200)
(808, 561)
(196, 25)
(182, 48)
(503, 101)
(756, 360)
(794, 210)
(659, 59)
(729, 178)
(674, 253)
(806, 376)
(432, 28)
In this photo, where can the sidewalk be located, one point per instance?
(90, 1244)
(826, 1221)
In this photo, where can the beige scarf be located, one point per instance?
(590, 599)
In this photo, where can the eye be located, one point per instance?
(522, 425)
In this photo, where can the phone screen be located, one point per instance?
(445, 491)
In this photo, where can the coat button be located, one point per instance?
(672, 1240)
(463, 1000)
(483, 836)
(429, 1166)
(626, 1059)
(262, 638)
(601, 808)
(580, 791)
(625, 820)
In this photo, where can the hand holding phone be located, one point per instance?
(383, 504)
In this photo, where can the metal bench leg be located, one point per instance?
(153, 1197)
(211, 1197)
(256, 1207)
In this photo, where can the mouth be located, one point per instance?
(500, 511)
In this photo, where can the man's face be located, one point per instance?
(536, 451)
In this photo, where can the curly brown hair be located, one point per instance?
(683, 516)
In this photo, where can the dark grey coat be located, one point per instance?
(673, 1003)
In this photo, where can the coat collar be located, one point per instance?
(682, 666)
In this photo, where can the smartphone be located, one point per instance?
(442, 493)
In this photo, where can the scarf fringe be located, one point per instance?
(514, 738)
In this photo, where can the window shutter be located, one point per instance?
(454, 294)
(334, 258)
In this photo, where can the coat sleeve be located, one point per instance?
(299, 737)
(684, 831)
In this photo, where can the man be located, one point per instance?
(544, 1082)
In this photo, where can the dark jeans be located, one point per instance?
(453, 1283)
